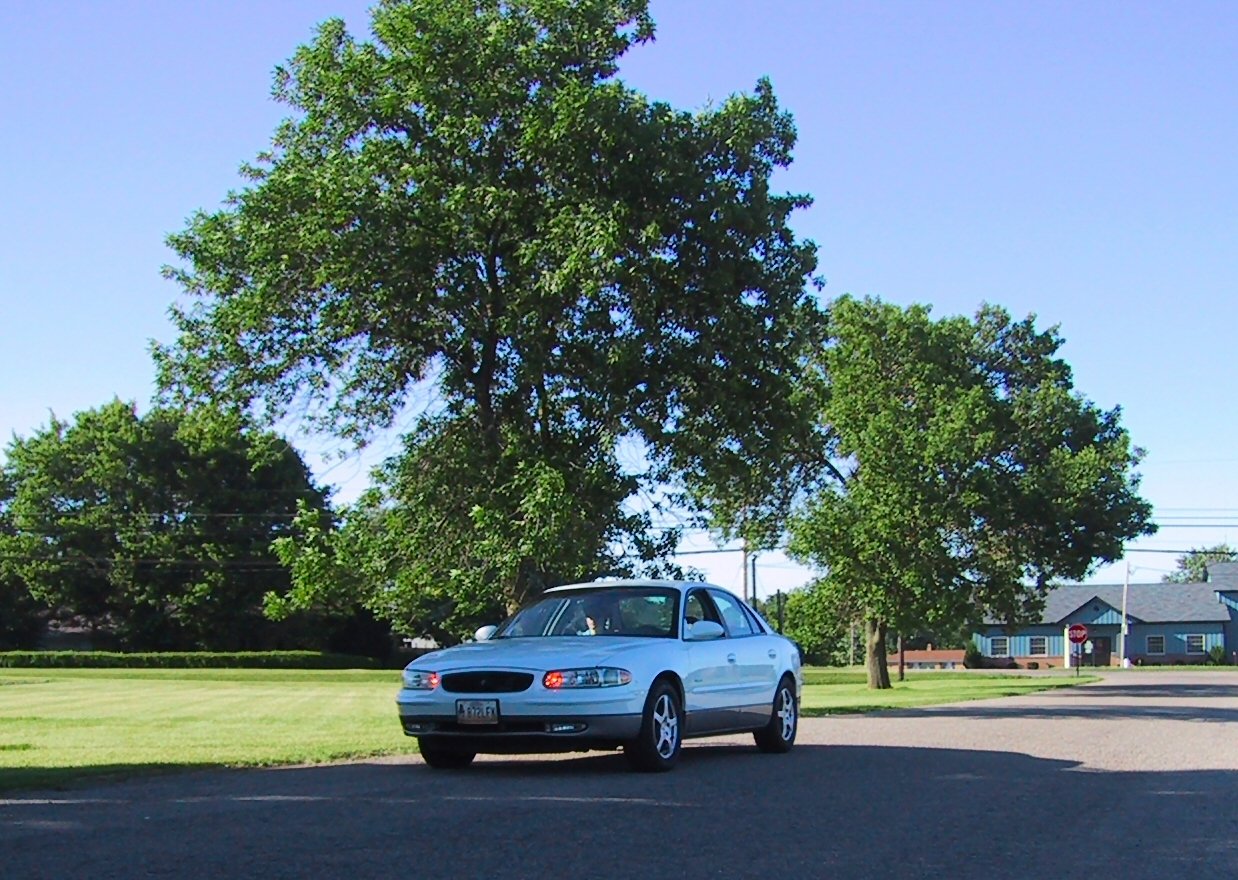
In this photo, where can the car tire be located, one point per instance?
(778, 735)
(442, 757)
(656, 748)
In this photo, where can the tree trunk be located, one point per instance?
(902, 660)
(875, 655)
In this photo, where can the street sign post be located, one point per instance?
(1078, 634)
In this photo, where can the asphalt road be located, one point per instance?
(1135, 777)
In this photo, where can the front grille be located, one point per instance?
(486, 682)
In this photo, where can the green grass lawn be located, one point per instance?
(837, 691)
(58, 726)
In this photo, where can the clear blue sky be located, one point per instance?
(1072, 160)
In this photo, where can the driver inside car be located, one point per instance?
(595, 618)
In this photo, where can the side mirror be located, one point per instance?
(704, 631)
(485, 633)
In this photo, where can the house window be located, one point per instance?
(1156, 644)
(1195, 644)
(1039, 646)
(999, 646)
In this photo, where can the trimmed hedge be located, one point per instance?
(183, 660)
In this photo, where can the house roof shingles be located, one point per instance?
(1223, 575)
(1150, 603)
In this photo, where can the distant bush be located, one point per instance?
(972, 658)
(1216, 655)
(184, 660)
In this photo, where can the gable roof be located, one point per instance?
(1146, 603)
(1223, 575)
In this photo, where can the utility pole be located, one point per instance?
(744, 568)
(754, 580)
(1126, 588)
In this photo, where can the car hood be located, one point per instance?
(536, 653)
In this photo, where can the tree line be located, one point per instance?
(587, 307)
(154, 532)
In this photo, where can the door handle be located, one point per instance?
(773, 654)
(730, 658)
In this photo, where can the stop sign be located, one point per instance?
(1077, 633)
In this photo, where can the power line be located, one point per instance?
(1228, 525)
(146, 560)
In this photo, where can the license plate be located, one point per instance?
(477, 711)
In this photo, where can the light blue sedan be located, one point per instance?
(636, 664)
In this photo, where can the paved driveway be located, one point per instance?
(1135, 777)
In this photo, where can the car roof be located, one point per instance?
(632, 582)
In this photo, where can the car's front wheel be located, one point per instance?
(657, 746)
(779, 734)
(443, 757)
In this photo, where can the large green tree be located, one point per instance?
(157, 527)
(972, 474)
(22, 617)
(437, 543)
(824, 629)
(1192, 567)
(471, 223)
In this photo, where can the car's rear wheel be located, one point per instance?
(657, 746)
(443, 757)
(779, 734)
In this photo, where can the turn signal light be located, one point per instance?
(598, 676)
(420, 680)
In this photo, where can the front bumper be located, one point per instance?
(557, 728)
(528, 722)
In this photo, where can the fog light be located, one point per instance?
(564, 727)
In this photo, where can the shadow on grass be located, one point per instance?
(63, 779)
(67, 778)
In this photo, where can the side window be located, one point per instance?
(737, 622)
(760, 625)
(698, 607)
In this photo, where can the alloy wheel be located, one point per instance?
(665, 726)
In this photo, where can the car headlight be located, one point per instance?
(595, 677)
(420, 680)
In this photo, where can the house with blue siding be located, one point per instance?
(1165, 624)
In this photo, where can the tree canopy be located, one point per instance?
(22, 617)
(972, 474)
(1192, 567)
(158, 526)
(472, 217)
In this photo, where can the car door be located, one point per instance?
(712, 676)
(755, 661)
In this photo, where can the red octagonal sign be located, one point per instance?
(1078, 633)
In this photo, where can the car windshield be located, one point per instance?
(606, 611)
